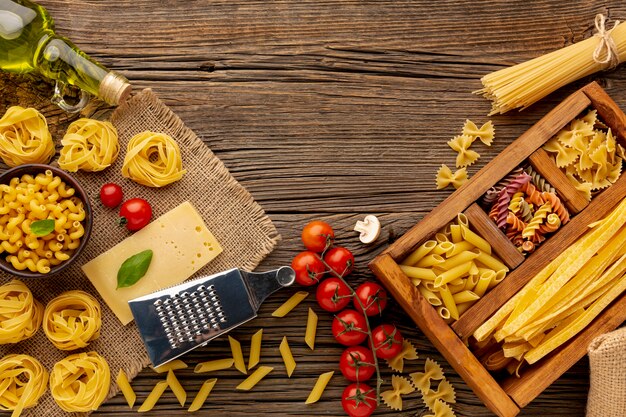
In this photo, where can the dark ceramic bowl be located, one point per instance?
(34, 169)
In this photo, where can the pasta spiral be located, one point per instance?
(24, 137)
(20, 313)
(23, 380)
(89, 145)
(532, 194)
(72, 320)
(80, 382)
(515, 223)
(557, 206)
(552, 224)
(538, 219)
(153, 159)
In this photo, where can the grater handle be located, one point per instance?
(263, 284)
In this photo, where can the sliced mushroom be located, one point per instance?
(369, 229)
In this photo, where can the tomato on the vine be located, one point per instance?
(358, 400)
(340, 260)
(111, 195)
(309, 268)
(357, 363)
(386, 341)
(135, 213)
(349, 327)
(373, 297)
(333, 294)
(318, 236)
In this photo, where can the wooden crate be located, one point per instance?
(505, 398)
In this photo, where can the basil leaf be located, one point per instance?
(133, 269)
(42, 227)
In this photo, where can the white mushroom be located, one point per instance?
(369, 229)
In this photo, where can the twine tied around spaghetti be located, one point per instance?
(606, 52)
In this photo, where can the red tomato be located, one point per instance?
(372, 296)
(317, 236)
(387, 341)
(135, 213)
(340, 260)
(309, 268)
(333, 294)
(111, 195)
(358, 400)
(357, 363)
(349, 328)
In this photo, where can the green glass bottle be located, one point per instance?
(28, 43)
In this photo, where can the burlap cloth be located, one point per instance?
(237, 221)
(607, 383)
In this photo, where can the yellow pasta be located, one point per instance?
(214, 365)
(255, 349)
(235, 348)
(202, 395)
(285, 352)
(319, 387)
(423, 250)
(153, 397)
(177, 389)
(446, 177)
(485, 133)
(20, 314)
(153, 159)
(124, 386)
(23, 380)
(393, 398)
(448, 301)
(89, 145)
(24, 137)
(453, 274)
(408, 352)
(174, 365)
(461, 145)
(465, 296)
(445, 392)
(254, 378)
(311, 329)
(432, 371)
(475, 240)
(418, 273)
(441, 409)
(290, 304)
(72, 320)
(80, 382)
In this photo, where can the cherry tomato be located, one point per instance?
(340, 260)
(387, 341)
(357, 363)
(309, 268)
(333, 294)
(317, 236)
(111, 195)
(349, 327)
(372, 296)
(135, 213)
(358, 400)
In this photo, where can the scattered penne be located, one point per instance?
(254, 378)
(285, 352)
(215, 365)
(124, 386)
(153, 397)
(202, 395)
(174, 365)
(319, 387)
(177, 389)
(311, 329)
(290, 304)
(235, 348)
(255, 349)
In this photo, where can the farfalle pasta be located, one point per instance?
(441, 409)
(80, 382)
(393, 397)
(432, 372)
(72, 320)
(20, 313)
(24, 137)
(408, 352)
(466, 156)
(445, 392)
(486, 133)
(23, 380)
(446, 177)
(153, 159)
(89, 145)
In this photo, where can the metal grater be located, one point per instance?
(178, 319)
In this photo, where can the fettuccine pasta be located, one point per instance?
(89, 145)
(23, 380)
(72, 320)
(20, 313)
(24, 137)
(153, 159)
(80, 382)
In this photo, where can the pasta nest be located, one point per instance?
(153, 159)
(80, 382)
(72, 320)
(24, 380)
(24, 137)
(20, 313)
(89, 145)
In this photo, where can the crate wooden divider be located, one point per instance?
(506, 397)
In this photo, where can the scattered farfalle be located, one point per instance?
(461, 144)
(441, 409)
(486, 133)
(393, 397)
(446, 177)
(445, 392)
(408, 352)
(432, 371)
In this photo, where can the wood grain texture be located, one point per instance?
(327, 109)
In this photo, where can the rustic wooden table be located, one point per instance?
(331, 110)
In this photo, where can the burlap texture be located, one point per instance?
(607, 383)
(237, 221)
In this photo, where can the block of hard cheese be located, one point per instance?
(181, 244)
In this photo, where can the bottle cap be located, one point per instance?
(114, 88)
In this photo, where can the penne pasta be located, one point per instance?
(235, 348)
(474, 239)
(174, 365)
(490, 262)
(215, 365)
(177, 389)
(124, 386)
(418, 273)
(462, 246)
(455, 233)
(448, 302)
(483, 283)
(290, 304)
(443, 248)
(429, 261)
(254, 378)
(311, 329)
(430, 296)
(319, 387)
(423, 250)
(285, 352)
(444, 313)
(255, 349)
(464, 297)
(202, 395)
(459, 259)
(452, 274)
(153, 397)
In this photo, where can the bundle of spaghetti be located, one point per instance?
(23, 380)
(566, 295)
(539, 181)
(20, 313)
(72, 320)
(522, 85)
(24, 137)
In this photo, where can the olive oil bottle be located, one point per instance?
(28, 43)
